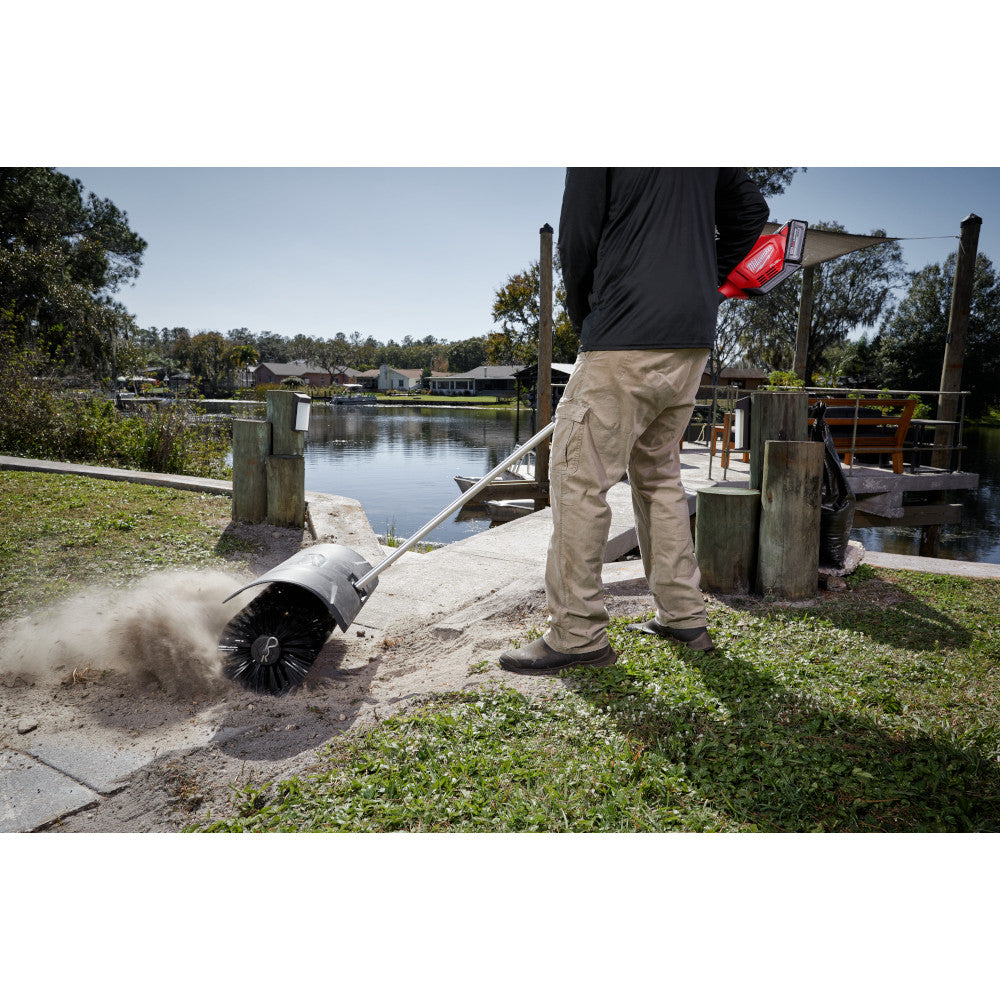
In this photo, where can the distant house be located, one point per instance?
(528, 378)
(399, 378)
(486, 380)
(349, 376)
(272, 373)
(367, 379)
(738, 378)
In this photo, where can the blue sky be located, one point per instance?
(401, 251)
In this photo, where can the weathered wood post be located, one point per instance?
(543, 386)
(775, 416)
(954, 347)
(286, 465)
(281, 409)
(725, 538)
(251, 448)
(791, 502)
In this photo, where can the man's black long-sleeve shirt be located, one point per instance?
(640, 260)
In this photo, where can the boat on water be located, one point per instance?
(354, 399)
(508, 475)
(523, 471)
(508, 510)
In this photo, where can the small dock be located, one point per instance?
(882, 495)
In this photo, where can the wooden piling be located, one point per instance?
(543, 385)
(775, 416)
(805, 322)
(791, 499)
(251, 447)
(286, 497)
(285, 440)
(954, 350)
(725, 538)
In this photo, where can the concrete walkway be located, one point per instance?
(438, 593)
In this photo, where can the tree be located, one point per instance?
(728, 346)
(464, 355)
(334, 356)
(772, 180)
(211, 361)
(62, 254)
(909, 348)
(517, 306)
(849, 292)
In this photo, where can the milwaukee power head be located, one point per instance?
(772, 259)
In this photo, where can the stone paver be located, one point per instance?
(33, 795)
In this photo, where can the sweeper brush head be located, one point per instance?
(271, 644)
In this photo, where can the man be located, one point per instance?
(642, 267)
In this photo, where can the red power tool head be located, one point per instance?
(772, 259)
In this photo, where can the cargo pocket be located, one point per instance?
(568, 438)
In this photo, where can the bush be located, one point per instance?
(38, 421)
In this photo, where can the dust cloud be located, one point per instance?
(163, 628)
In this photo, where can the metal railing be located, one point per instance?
(713, 406)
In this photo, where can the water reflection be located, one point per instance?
(400, 462)
(977, 537)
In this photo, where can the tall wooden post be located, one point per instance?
(286, 500)
(958, 327)
(285, 440)
(791, 506)
(805, 322)
(543, 387)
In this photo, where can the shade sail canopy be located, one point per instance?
(823, 246)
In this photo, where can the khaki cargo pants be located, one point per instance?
(621, 411)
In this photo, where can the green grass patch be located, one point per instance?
(62, 532)
(874, 710)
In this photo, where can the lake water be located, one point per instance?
(977, 537)
(400, 464)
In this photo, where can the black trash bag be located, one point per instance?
(838, 501)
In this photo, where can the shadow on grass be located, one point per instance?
(887, 613)
(774, 759)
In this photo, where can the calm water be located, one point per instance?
(399, 462)
(977, 537)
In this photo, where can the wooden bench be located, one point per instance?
(868, 425)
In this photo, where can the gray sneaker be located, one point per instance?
(693, 638)
(539, 657)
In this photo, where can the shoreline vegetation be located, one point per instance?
(872, 709)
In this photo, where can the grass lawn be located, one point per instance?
(62, 532)
(871, 711)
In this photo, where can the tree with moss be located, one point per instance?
(908, 351)
(63, 253)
